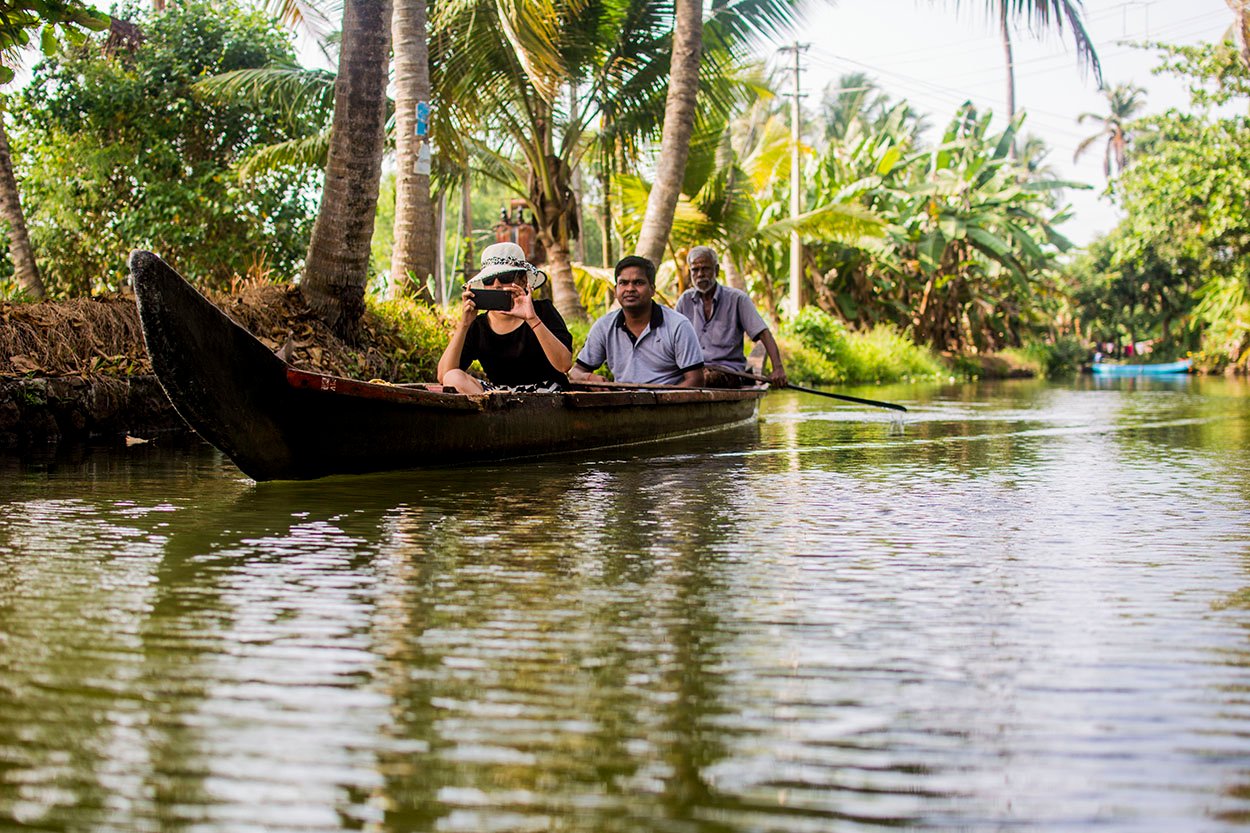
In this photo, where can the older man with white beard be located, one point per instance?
(721, 315)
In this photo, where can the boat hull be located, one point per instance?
(277, 422)
(1163, 369)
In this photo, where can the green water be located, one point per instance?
(1029, 610)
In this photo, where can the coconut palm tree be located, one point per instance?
(679, 110)
(505, 65)
(1041, 15)
(1124, 101)
(413, 255)
(738, 23)
(336, 270)
(851, 101)
(22, 253)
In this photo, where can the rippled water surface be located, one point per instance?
(1029, 610)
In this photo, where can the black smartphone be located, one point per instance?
(492, 299)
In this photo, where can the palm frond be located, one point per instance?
(295, 91)
(306, 153)
(845, 223)
(314, 18)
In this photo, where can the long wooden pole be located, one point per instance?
(845, 398)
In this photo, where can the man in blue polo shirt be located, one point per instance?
(644, 342)
(721, 315)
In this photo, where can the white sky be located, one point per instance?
(937, 56)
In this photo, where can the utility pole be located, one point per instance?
(796, 185)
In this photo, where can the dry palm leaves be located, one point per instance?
(101, 336)
(70, 338)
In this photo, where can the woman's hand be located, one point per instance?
(468, 309)
(522, 304)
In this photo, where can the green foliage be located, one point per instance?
(383, 228)
(1060, 357)
(955, 244)
(20, 18)
(1213, 72)
(1177, 268)
(806, 364)
(822, 349)
(579, 330)
(120, 152)
(424, 330)
(969, 259)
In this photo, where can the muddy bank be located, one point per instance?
(45, 412)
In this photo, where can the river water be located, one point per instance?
(1030, 609)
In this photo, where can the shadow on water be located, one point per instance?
(527, 646)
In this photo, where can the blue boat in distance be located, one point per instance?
(1164, 369)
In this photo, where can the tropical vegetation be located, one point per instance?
(612, 127)
(1176, 270)
(118, 151)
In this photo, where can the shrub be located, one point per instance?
(1059, 358)
(424, 331)
(820, 348)
(806, 364)
(102, 173)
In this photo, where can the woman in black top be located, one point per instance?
(526, 345)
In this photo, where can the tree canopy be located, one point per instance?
(1178, 266)
(119, 151)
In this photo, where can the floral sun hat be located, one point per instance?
(498, 258)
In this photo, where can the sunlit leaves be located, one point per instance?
(19, 17)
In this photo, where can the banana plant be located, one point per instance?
(978, 238)
(968, 258)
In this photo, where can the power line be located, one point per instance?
(1060, 61)
(1170, 29)
(950, 94)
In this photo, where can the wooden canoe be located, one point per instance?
(280, 423)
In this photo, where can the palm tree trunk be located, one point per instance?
(1241, 28)
(440, 238)
(576, 184)
(605, 210)
(337, 267)
(679, 112)
(732, 276)
(24, 268)
(563, 287)
(469, 262)
(412, 258)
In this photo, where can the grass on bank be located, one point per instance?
(819, 349)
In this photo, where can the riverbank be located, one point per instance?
(77, 370)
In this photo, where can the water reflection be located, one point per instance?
(1029, 610)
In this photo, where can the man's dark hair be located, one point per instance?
(641, 262)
